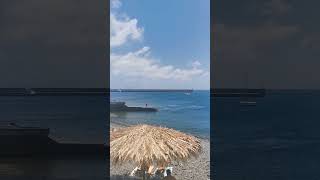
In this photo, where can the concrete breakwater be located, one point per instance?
(122, 107)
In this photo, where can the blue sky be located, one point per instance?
(160, 44)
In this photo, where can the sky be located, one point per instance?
(275, 43)
(53, 44)
(160, 44)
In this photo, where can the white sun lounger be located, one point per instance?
(134, 171)
(165, 171)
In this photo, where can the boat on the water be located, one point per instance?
(122, 107)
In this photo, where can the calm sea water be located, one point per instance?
(187, 112)
(71, 119)
(277, 139)
(75, 119)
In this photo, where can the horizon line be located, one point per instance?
(157, 89)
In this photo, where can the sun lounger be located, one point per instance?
(156, 174)
(136, 172)
(133, 172)
(165, 171)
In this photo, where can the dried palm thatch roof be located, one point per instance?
(147, 145)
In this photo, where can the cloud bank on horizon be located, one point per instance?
(137, 64)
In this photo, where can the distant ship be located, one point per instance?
(30, 91)
(121, 106)
(188, 92)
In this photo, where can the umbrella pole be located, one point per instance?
(144, 169)
(144, 175)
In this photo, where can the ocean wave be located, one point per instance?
(173, 105)
(196, 107)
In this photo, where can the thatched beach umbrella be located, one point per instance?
(147, 145)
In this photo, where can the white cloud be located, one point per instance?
(140, 64)
(196, 64)
(116, 3)
(123, 29)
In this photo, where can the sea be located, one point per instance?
(278, 138)
(186, 112)
(71, 119)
